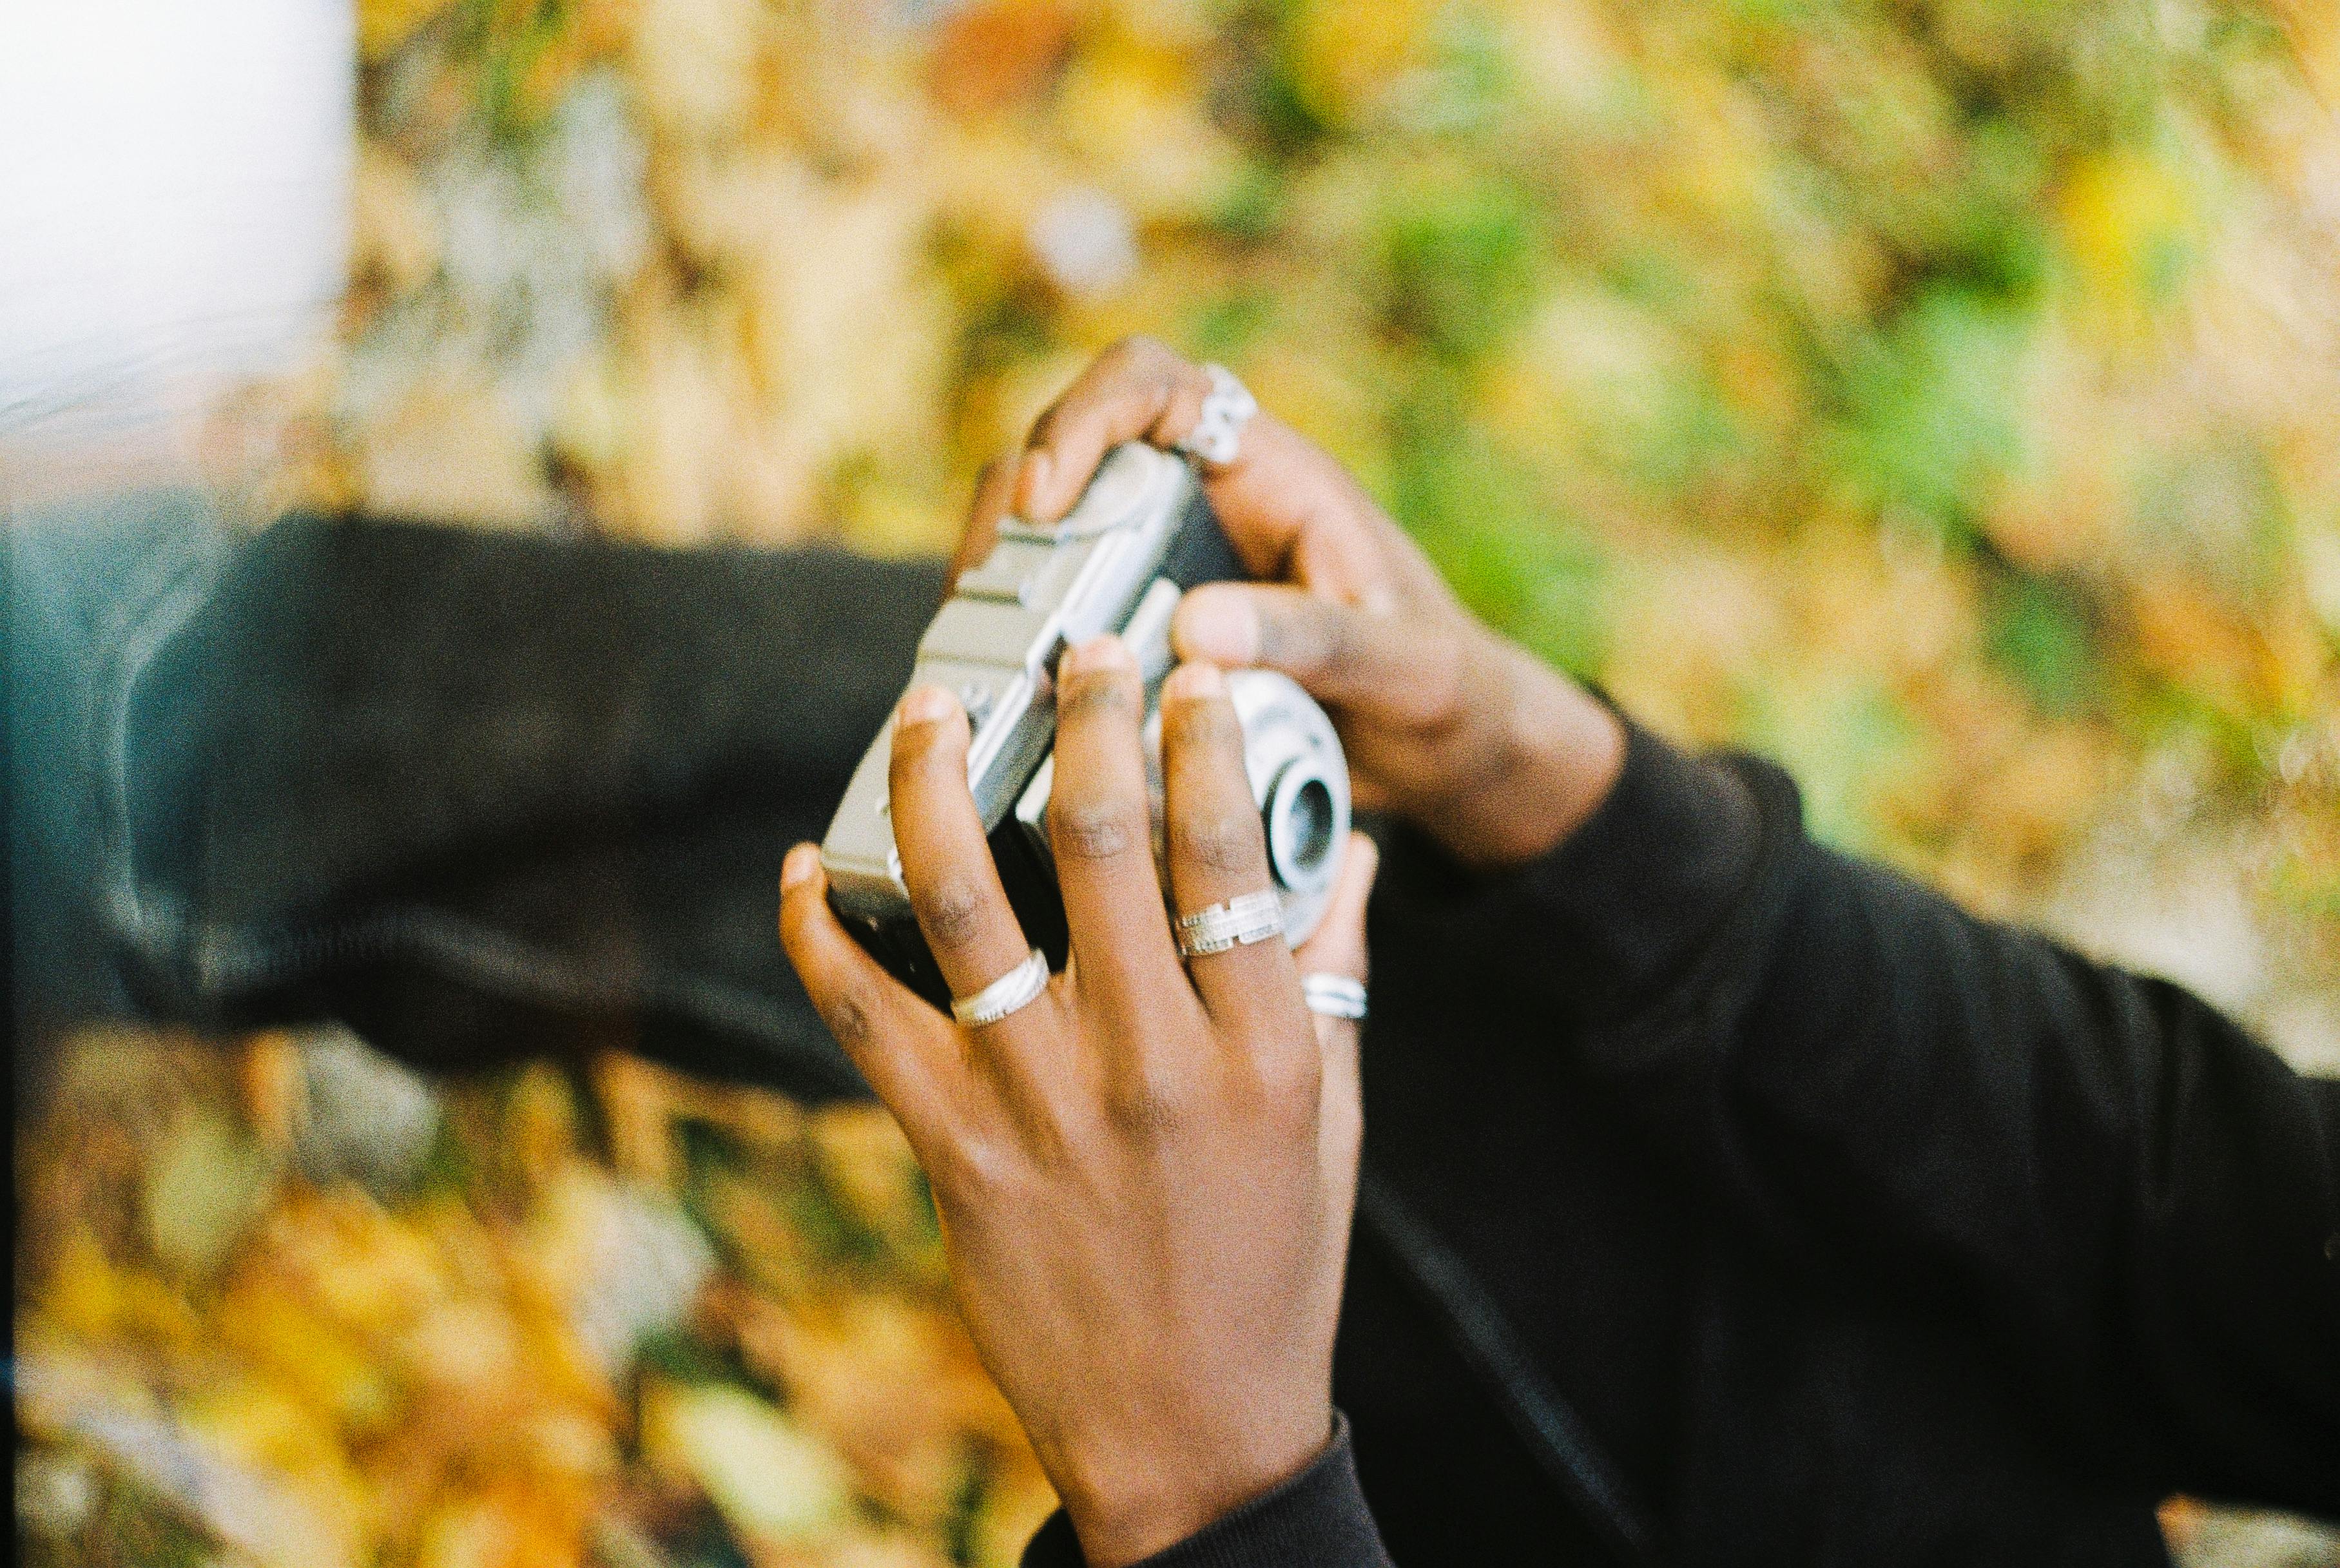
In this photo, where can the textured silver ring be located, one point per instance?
(1334, 996)
(1005, 995)
(1252, 918)
(1227, 407)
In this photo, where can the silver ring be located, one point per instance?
(1252, 917)
(1227, 407)
(1334, 996)
(1012, 990)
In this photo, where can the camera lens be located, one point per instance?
(1300, 825)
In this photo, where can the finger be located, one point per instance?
(1295, 514)
(1338, 944)
(1400, 670)
(1101, 828)
(953, 886)
(1292, 513)
(1137, 389)
(1338, 947)
(1216, 848)
(890, 1035)
(994, 493)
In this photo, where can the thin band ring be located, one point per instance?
(1334, 995)
(1012, 990)
(1227, 407)
(1239, 921)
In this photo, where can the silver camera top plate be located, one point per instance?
(996, 642)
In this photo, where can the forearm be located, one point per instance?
(2142, 1202)
(2131, 1195)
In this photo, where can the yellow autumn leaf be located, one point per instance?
(772, 1481)
(1348, 56)
(385, 25)
(2131, 224)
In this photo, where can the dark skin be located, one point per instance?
(1146, 1176)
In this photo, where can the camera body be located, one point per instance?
(1140, 536)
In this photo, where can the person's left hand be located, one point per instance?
(1144, 1177)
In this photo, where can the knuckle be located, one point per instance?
(1097, 830)
(1310, 637)
(1133, 351)
(949, 910)
(851, 1014)
(1445, 680)
(1292, 1076)
(1442, 679)
(1218, 840)
(1205, 724)
(1098, 697)
(970, 1167)
(1340, 639)
(1146, 1104)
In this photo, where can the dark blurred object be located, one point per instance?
(477, 795)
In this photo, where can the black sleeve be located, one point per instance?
(2136, 1201)
(1315, 1520)
(476, 794)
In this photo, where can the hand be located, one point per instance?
(1483, 745)
(1145, 1176)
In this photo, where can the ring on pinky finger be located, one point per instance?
(1334, 995)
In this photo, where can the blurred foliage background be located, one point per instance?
(1942, 396)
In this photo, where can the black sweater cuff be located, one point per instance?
(1622, 907)
(1317, 1519)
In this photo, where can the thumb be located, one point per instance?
(994, 491)
(1382, 665)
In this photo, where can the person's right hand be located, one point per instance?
(1488, 749)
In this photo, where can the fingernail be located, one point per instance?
(1192, 682)
(1101, 654)
(926, 704)
(1222, 626)
(803, 861)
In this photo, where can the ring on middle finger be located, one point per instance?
(1239, 921)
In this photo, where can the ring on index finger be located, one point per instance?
(1238, 922)
(1227, 407)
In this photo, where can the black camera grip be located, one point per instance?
(1201, 552)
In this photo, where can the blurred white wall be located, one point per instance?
(173, 193)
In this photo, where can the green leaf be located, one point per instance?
(2039, 631)
(1463, 258)
(1932, 409)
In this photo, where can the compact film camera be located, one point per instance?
(1141, 535)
